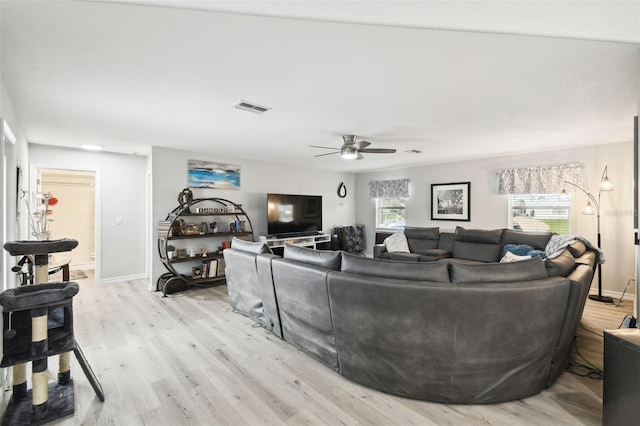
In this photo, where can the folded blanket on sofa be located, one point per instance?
(557, 243)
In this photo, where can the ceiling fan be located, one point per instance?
(352, 149)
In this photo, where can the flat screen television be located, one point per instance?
(291, 215)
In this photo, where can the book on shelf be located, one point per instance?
(213, 268)
(205, 269)
(221, 266)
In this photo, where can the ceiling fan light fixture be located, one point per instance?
(348, 153)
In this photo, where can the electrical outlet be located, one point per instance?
(629, 321)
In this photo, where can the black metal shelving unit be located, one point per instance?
(170, 230)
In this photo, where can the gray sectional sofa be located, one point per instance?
(456, 330)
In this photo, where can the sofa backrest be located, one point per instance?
(537, 240)
(418, 271)
(246, 292)
(324, 258)
(300, 281)
(423, 340)
(510, 272)
(477, 244)
(422, 239)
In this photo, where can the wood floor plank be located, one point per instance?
(188, 359)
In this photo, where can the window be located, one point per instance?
(390, 213)
(540, 213)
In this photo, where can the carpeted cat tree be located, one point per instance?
(38, 323)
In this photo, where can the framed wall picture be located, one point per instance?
(207, 174)
(451, 201)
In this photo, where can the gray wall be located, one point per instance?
(169, 177)
(489, 209)
(121, 188)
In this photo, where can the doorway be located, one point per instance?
(74, 214)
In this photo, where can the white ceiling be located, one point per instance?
(165, 73)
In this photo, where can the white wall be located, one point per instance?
(489, 209)
(121, 192)
(17, 156)
(169, 176)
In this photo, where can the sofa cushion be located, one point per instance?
(526, 270)
(577, 249)
(421, 271)
(328, 259)
(406, 257)
(537, 240)
(397, 243)
(477, 244)
(560, 266)
(435, 254)
(422, 239)
(257, 247)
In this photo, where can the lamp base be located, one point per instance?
(603, 299)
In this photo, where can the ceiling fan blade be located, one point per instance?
(361, 145)
(378, 150)
(330, 153)
(323, 147)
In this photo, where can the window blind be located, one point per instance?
(540, 213)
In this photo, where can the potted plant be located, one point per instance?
(170, 250)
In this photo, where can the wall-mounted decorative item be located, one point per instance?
(451, 201)
(342, 190)
(205, 174)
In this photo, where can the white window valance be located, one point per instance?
(396, 188)
(540, 180)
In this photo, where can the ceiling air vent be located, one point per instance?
(251, 107)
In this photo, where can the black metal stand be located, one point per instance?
(599, 297)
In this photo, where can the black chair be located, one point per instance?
(349, 238)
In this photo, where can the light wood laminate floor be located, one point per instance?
(189, 360)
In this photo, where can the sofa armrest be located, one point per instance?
(378, 249)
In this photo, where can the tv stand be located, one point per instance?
(297, 234)
(298, 240)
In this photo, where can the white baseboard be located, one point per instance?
(124, 278)
(615, 294)
(86, 265)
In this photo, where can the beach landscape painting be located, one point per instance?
(206, 174)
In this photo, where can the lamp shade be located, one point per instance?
(606, 184)
(588, 209)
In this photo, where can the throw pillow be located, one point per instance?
(517, 249)
(397, 243)
(510, 257)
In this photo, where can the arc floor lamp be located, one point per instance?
(590, 209)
